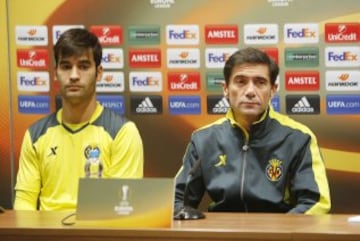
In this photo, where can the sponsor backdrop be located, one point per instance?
(163, 69)
(6, 147)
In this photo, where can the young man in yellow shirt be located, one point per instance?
(58, 149)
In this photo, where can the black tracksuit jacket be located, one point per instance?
(276, 167)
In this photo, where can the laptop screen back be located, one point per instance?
(146, 202)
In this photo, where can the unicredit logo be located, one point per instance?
(184, 81)
(34, 58)
(342, 32)
(108, 35)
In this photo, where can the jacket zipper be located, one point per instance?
(244, 148)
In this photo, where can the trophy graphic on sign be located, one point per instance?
(124, 207)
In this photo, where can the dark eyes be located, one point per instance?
(69, 66)
(244, 80)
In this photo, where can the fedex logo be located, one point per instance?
(108, 35)
(342, 56)
(33, 81)
(185, 34)
(216, 57)
(182, 34)
(301, 33)
(145, 81)
(112, 58)
(33, 58)
(59, 29)
(342, 32)
(221, 34)
(145, 58)
(183, 81)
(302, 80)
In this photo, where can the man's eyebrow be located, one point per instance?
(257, 77)
(82, 61)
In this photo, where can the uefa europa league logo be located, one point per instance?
(124, 207)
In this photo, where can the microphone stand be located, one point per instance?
(187, 212)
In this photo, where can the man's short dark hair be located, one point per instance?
(76, 41)
(250, 55)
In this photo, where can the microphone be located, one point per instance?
(187, 212)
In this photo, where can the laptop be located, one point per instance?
(113, 202)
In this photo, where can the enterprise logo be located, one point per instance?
(301, 57)
(147, 34)
(33, 104)
(299, 104)
(184, 105)
(214, 81)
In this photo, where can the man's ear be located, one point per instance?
(99, 72)
(274, 88)
(225, 89)
(55, 74)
